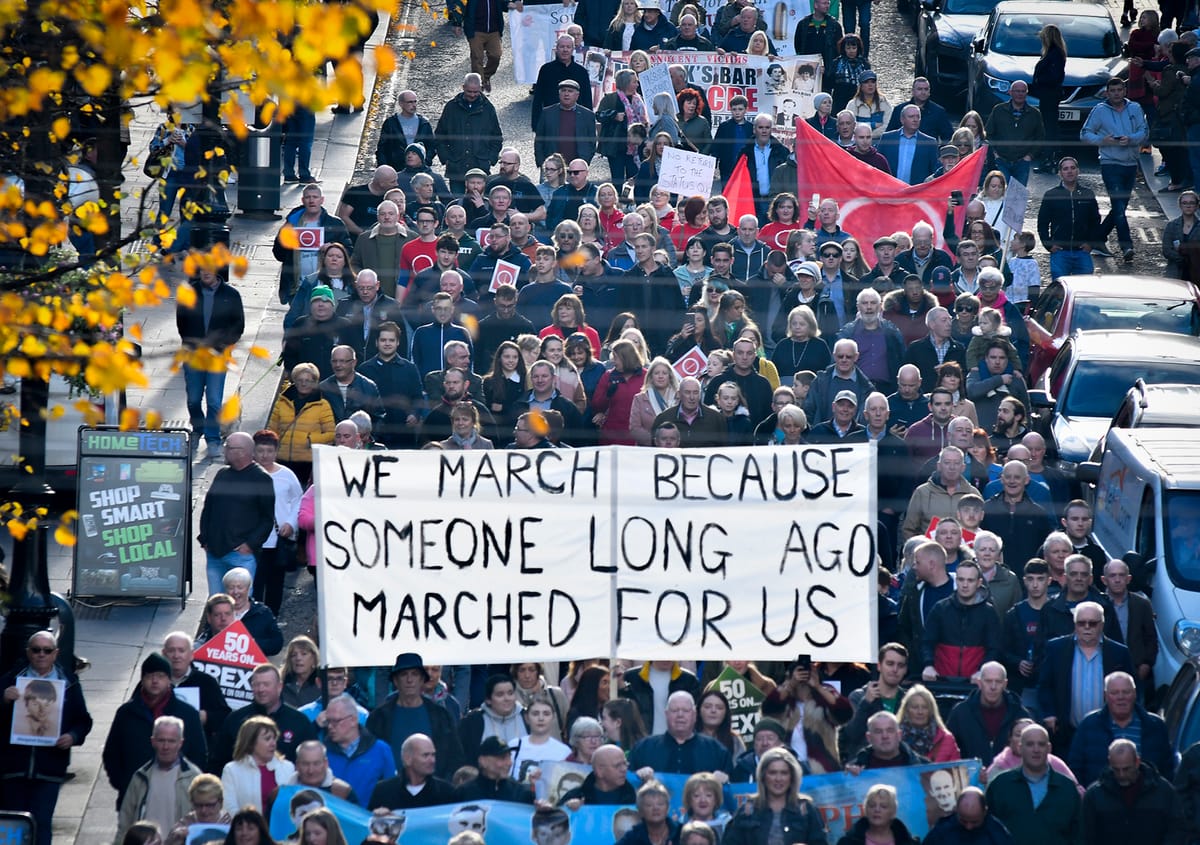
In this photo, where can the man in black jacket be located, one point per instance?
(1069, 223)
(393, 720)
(606, 784)
(33, 774)
(238, 513)
(177, 649)
(982, 721)
(399, 386)
(215, 321)
(401, 129)
(266, 684)
(553, 73)
(763, 150)
(128, 747)
(493, 782)
(418, 762)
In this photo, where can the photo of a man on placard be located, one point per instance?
(37, 712)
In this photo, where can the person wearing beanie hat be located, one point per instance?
(128, 745)
(311, 338)
(768, 733)
(416, 160)
(404, 128)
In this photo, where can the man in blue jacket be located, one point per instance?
(911, 154)
(1121, 716)
(355, 756)
(1118, 127)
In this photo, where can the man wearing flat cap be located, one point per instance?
(128, 745)
(408, 711)
(565, 127)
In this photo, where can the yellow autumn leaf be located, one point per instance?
(385, 60)
(93, 78)
(130, 419)
(64, 536)
(153, 419)
(260, 352)
(231, 410)
(61, 127)
(17, 529)
(185, 295)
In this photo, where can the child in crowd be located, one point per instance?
(1026, 278)
(990, 327)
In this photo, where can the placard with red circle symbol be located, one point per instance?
(313, 238)
(506, 273)
(692, 364)
(484, 237)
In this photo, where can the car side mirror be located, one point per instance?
(1040, 399)
(977, 45)
(1141, 572)
(1087, 472)
(930, 5)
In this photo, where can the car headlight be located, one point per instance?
(996, 84)
(1187, 637)
(1071, 447)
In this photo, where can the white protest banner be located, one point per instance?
(686, 173)
(230, 658)
(533, 32)
(1016, 200)
(693, 362)
(747, 552)
(37, 711)
(506, 273)
(782, 87)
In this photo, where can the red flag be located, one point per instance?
(739, 192)
(872, 203)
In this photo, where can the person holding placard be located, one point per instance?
(32, 774)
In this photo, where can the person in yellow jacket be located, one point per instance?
(301, 418)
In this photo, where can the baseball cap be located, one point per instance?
(848, 396)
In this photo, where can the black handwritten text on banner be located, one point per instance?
(492, 556)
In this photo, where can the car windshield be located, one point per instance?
(1097, 387)
(1176, 316)
(969, 7)
(1183, 548)
(1086, 37)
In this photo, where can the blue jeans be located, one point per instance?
(36, 797)
(1018, 170)
(298, 141)
(1071, 262)
(1193, 145)
(863, 9)
(204, 388)
(1118, 181)
(218, 565)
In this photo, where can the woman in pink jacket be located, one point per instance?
(616, 391)
(921, 726)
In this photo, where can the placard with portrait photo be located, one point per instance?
(38, 711)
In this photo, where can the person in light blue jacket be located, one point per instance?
(1118, 127)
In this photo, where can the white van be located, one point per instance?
(1145, 493)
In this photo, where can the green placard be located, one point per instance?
(745, 699)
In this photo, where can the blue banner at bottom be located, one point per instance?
(925, 793)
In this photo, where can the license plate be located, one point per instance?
(1068, 114)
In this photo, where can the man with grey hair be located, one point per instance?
(880, 344)
(680, 750)
(925, 259)
(1132, 802)
(552, 74)
(177, 648)
(911, 154)
(763, 154)
(312, 772)
(844, 123)
(936, 348)
(158, 791)
(366, 309)
(1072, 672)
(238, 512)
(355, 756)
(843, 374)
(699, 425)
(402, 129)
(1021, 523)
(1121, 717)
(346, 390)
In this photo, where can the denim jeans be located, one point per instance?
(1118, 181)
(218, 565)
(204, 389)
(863, 9)
(1071, 262)
(298, 142)
(36, 797)
(1018, 170)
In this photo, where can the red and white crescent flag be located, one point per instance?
(872, 203)
(506, 273)
(692, 364)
